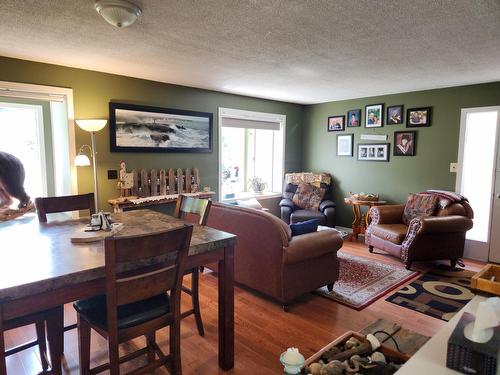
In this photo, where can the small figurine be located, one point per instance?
(126, 180)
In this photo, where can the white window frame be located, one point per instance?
(251, 116)
(50, 93)
(38, 109)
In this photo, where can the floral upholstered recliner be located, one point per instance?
(308, 196)
(431, 226)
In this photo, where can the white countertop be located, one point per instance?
(431, 358)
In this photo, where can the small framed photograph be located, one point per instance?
(418, 117)
(404, 143)
(374, 116)
(336, 123)
(373, 151)
(353, 118)
(344, 144)
(395, 115)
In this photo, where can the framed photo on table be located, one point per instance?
(374, 116)
(336, 123)
(344, 144)
(373, 152)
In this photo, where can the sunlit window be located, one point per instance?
(250, 149)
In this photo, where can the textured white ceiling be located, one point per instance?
(298, 51)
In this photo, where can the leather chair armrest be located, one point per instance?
(392, 214)
(444, 224)
(286, 202)
(327, 204)
(312, 245)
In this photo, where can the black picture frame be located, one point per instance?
(333, 127)
(389, 118)
(374, 108)
(357, 114)
(410, 118)
(376, 147)
(351, 140)
(410, 146)
(161, 131)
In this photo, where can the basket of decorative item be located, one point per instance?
(487, 280)
(353, 353)
(367, 197)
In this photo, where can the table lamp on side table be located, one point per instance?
(91, 126)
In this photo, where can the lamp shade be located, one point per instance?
(82, 160)
(91, 125)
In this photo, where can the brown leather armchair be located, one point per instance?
(268, 259)
(437, 237)
(292, 214)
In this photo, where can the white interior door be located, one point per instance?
(477, 162)
(495, 223)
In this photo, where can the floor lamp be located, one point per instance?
(91, 126)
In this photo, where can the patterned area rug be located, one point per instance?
(362, 281)
(439, 294)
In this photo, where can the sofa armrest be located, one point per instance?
(392, 214)
(444, 224)
(327, 204)
(286, 202)
(312, 245)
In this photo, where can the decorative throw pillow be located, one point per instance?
(308, 196)
(419, 205)
(304, 227)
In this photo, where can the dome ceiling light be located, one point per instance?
(119, 13)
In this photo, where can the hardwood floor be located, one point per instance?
(263, 330)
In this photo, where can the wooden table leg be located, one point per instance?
(3, 365)
(55, 336)
(357, 220)
(226, 310)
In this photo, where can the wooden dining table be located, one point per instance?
(40, 268)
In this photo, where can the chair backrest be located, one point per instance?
(187, 207)
(158, 260)
(66, 203)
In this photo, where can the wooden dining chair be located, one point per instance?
(38, 319)
(136, 301)
(66, 203)
(194, 210)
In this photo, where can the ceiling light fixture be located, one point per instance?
(119, 13)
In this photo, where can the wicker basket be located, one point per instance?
(364, 197)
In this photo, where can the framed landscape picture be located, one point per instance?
(395, 115)
(336, 123)
(404, 143)
(374, 116)
(418, 117)
(344, 144)
(135, 128)
(373, 151)
(353, 118)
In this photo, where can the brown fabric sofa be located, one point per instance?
(270, 261)
(437, 237)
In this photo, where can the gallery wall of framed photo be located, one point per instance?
(377, 116)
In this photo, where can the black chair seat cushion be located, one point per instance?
(304, 215)
(94, 311)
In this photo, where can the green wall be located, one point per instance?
(436, 146)
(93, 91)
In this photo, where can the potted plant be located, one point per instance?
(257, 185)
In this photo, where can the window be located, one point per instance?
(251, 146)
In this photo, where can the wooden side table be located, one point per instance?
(361, 220)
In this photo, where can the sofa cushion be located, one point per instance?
(308, 196)
(312, 245)
(394, 233)
(304, 227)
(419, 205)
(303, 215)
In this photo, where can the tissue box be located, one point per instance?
(470, 357)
